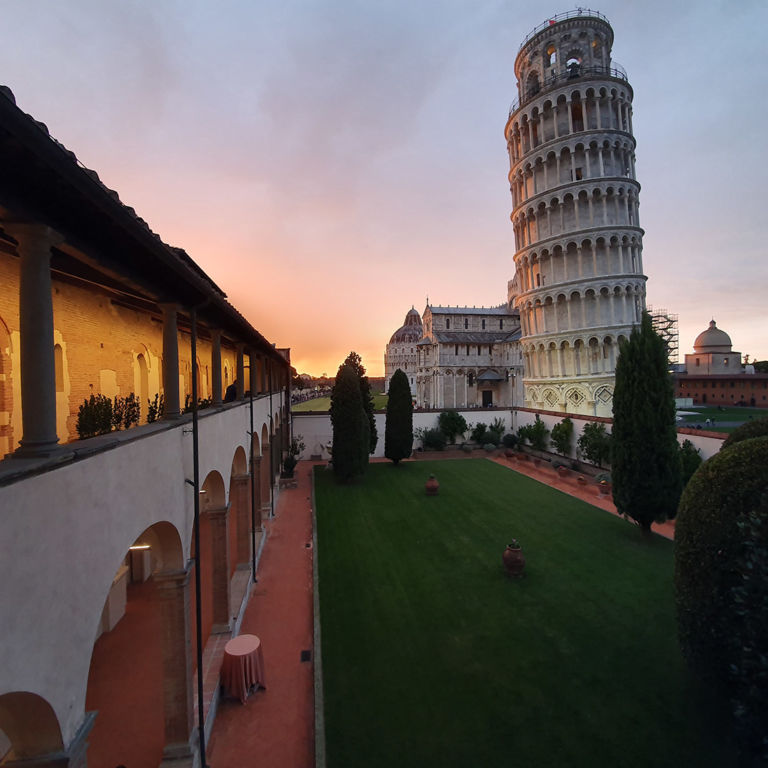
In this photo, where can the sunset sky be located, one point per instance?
(330, 164)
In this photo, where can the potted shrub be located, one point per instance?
(513, 559)
(294, 451)
(604, 483)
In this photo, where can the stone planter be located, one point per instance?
(514, 561)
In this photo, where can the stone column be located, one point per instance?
(253, 373)
(172, 594)
(240, 372)
(170, 361)
(38, 371)
(256, 492)
(219, 519)
(216, 366)
(241, 503)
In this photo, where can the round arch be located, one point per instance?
(30, 724)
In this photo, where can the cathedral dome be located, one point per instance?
(410, 331)
(712, 340)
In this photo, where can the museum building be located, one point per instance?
(94, 303)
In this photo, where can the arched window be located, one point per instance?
(532, 86)
(551, 56)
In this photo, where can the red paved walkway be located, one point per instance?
(275, 728)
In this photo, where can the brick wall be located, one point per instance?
(101, 340)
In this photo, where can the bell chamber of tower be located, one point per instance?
(579, 282)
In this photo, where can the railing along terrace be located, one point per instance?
(574, 72)
(562, 17)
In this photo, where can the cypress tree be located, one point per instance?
(350, 426)
(645, 465)
(398, 432)
(356, 363)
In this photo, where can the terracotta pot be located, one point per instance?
(514, 561)
(604, 488)
(563, 471)
(522, 456)
(509, 453)
(432, 486)
(581, 480)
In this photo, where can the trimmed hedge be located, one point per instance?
(720, 536)
(748, 430)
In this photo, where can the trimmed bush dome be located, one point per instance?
(756, 428)
(721, 546)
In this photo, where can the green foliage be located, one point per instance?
(350, 426)
(94, 417)
(721, 582)
(479, 433)
(645, 463)
(594, 443)
(202, 403)
(749, 675)
(754, 428)
(156, 408)
(496, 430)
(562, 436)
(535, 434)
(434, 440)
(356, 363)
(509, 440)
(297, 445)
(451, 424)
(398, 430)
(690, 460)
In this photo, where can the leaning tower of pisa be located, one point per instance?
(579, 283)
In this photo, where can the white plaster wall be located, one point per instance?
(317, 432)
(66, 531)
(708, 446)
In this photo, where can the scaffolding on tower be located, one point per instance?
(665, 324)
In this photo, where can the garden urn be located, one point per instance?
(432, 486)
(514, 560)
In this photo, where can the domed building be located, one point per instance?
(401, 350)
(712, 353)
(714, 374)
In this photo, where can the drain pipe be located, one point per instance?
(253, 482)
(198, 586)
(271, 448)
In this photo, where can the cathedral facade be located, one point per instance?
(469, 357)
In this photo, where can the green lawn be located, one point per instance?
(726, 414)
(324, 403)
(432, 656)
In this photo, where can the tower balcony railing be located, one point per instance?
(566, 75)
(552, 20)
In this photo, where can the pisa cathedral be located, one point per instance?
(578, 285)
